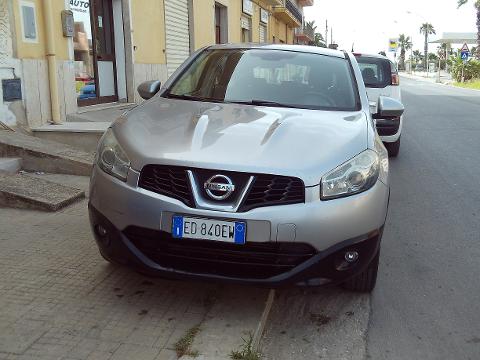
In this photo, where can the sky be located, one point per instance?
(369, 24)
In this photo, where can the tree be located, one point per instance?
(405, 44)
(417, 56)
(319, 41)
(427, 29)
(477, 7)
(318, 38)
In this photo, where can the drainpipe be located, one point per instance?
(52, 60)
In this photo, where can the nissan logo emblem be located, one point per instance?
(219, 187)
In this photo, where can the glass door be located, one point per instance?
(95, 72)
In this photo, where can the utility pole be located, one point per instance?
(331, 36)
(326, 33)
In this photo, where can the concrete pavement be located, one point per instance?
(60, 300)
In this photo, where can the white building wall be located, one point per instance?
(10, 112)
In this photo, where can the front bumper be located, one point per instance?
(156, 253)
(300, 243)
(389, 130)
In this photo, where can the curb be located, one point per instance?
(263, 320)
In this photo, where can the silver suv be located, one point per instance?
(252, 164)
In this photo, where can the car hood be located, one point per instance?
(235, 137)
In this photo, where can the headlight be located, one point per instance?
(355, 176)
(111, 158)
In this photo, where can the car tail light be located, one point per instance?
(395, 79)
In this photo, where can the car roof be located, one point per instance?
(285, 47)
(378, 56)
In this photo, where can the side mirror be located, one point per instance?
(148, 89)
(389, 108)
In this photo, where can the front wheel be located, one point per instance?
(393, 148)
(366, 280)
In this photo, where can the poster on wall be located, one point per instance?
(264, 16)
(247, 7)
(80, 6)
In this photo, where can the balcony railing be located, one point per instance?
(305, 33)
(289, 13)
(294, 10)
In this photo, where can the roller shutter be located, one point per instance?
(177, 33)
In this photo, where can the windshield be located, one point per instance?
(269, 77)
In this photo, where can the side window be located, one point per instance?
(375, 72)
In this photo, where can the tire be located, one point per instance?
(393, 148)
(366, 280)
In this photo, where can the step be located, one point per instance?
(43, 155)
(28, 192)
(81, 135)
(99, 113)
(10, 165)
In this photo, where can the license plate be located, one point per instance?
(208, 229)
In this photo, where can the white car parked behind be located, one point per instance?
(381, 78)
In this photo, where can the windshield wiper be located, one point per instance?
(193, 98)
(265, 103)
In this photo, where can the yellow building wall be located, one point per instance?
(148, 20)
(290, 35)
(29, 50)
(279, 30)
(204, 23)
(234, 16)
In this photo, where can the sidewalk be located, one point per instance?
(445, 78)
(60, 300)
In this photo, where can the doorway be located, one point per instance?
(221, 26)
(94, 52)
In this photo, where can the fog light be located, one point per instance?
(101, 231)
(351, 256)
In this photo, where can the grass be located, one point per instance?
(246, 351)
(183, 346)
(475, 84)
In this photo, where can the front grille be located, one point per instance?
(270, 190)
(266, 190)
(249, 261)
(170, 181)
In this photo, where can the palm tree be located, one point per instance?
(405, 45)
(318, 38)
(427, 29)
(417, 55)
(477, 6)
(311, 25)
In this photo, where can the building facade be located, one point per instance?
(59, 57)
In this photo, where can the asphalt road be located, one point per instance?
(427, 301)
